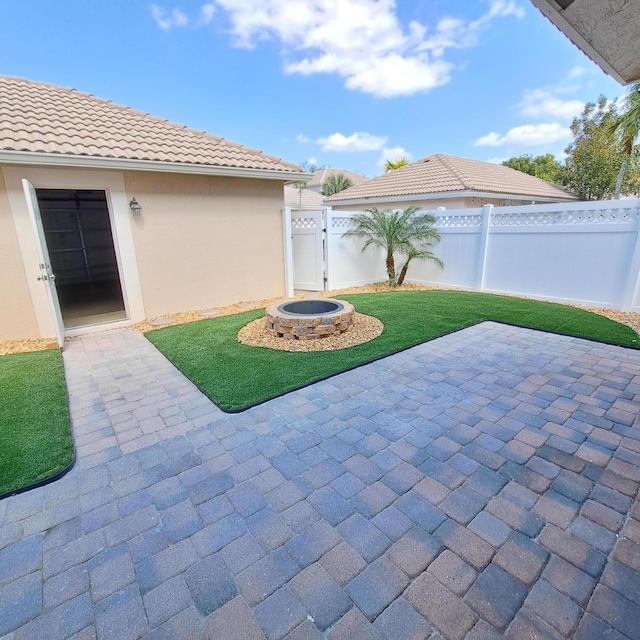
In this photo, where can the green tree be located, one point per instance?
(335, 184)
(625, 129)
(594, 158)
(544, 166)
(390, 165)
(397, 232)
(627, 122)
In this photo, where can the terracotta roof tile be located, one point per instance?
(441, 173)
(44, 118)
(295, 198)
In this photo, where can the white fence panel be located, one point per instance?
(347, 265)
(583, 252)
(459, 249)
(589, 267)
(570, 252)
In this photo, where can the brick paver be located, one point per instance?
(482, 485)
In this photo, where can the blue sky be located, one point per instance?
(345, 83)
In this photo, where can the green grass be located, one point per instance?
(35, 436)
(237, 376)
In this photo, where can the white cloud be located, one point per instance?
(359, 141)
(301, 138)
(393, 154)
(207, 11)
(363, 41)
(527, 135)
(168, 19)
(455, 33)
(577, 72)
(312, 160)
(496, 160)
(541, 103)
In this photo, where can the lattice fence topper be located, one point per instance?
(455, 221)
(303, 223)
(341, 223)
(586, 216)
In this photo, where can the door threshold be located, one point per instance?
(74, 332)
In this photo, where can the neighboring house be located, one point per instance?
(315, 184)
(608, 31)
(447, 181)
(133, 215)
(301, 199)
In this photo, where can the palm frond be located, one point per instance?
(396, 232)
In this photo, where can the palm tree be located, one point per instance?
(626, 127)
(400, 232)
(627, 124)
(418, 254)
(390, 165)
(335, 184)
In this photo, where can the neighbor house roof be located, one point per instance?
(442, 174)
(300, 198)
(41, 118)
(608, 31)
(322, 174)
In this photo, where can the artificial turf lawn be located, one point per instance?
(236, 376)
(35, 434)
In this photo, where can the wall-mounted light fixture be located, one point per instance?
(136, 209)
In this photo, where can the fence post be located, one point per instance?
(327, 215)
(484, 241)
(288, 252)
(633, 279)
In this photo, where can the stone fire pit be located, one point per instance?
(308, 319)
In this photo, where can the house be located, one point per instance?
(608, 31)
(110, 215)
(315, 184)
(297, 198)
(451, 182)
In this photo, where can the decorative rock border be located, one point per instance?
(364, 328)
(308, 327)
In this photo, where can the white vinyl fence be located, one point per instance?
(347, 265)
(583, 252)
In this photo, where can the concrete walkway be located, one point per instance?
(482, 485)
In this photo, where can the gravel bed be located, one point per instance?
(364, 328)
(29, 344)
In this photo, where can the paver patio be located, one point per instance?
(481, 485)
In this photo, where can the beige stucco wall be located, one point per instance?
(205, 241)
(17, 317)
(447, 203)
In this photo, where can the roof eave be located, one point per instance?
(124, 164)
(551, 12)
(447, 195)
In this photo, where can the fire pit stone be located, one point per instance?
(308, 319)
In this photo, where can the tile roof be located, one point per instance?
(322, 174)
(440, 173)
(45, 118)
(295, 198)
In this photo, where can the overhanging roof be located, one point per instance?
(608, 31)
(442, 176)
(43, 124)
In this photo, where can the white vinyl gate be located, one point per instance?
(307, 233)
